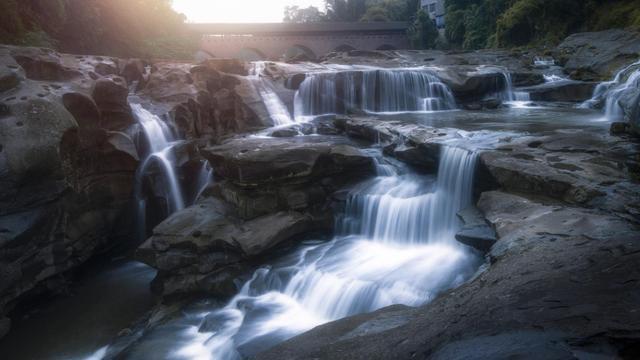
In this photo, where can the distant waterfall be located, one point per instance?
(612, 91)
(509, 94)
(397, 247)
(375, 91)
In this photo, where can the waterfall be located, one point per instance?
(510, 95)
(275, 106)
(612, 91)
(373, 90)
(395, 245)
(161, 141)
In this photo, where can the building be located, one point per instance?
(435, 9)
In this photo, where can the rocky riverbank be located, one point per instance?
(555, 207)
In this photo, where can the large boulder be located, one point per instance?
(254, 160)
(597, 56)
(111, 96)
(204, 247)
(44, 64)
(561, 91)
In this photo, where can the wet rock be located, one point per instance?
(596, 56)
(561, 91)
(205, 247)
(283, 133)
(475, 231)
(469, 84)
(111, 96)
(254, 160)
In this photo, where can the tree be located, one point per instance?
(423, 33)
(295, 14)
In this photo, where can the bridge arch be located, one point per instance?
(250, 54)
(297, 50)
(386, 47)
(344, 48)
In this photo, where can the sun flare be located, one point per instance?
(239, 10)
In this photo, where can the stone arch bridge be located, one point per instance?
(285, 40)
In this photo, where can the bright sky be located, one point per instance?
(238, 10)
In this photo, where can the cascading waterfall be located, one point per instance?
(612, 91)
(509, 94)
(372, 90)
(395, 245)
(277, 109)
(161, 141)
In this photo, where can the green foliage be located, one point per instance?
(115, 27)
(295, 14)
(423, 33)
(473, 24)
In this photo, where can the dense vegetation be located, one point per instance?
(149, 28)
(473, 24)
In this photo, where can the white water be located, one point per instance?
(161, 141)
(510, 96)
(371, 90)
(395, 246)
(277, 109)
(612, 91)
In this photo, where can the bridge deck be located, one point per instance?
(299, 29)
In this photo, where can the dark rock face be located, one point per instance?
(268, 191)
(204, 101)
(110, 95)
(596, 56)
(65, 177)
(561, 91)
(475, 231)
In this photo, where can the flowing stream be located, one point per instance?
(395, 245)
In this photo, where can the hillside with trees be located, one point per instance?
(149, 28)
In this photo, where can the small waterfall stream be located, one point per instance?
(161, 140)
(612, 91)
(395, 245)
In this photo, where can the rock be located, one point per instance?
(5, 326)
(204, 247)
(133, 70)
(619, 128)
(630, 103)
(561, 91)
(480, 237)
(43, 64)
(111, 96)
(522, 79)
(283, 133)
(470, 84)
(229, 66)
(294, 81)
(9, 79)
(597, 56)
(252, 160)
